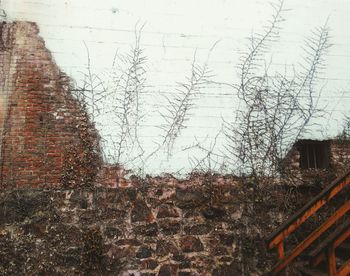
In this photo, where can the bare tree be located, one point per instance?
(91, 90)
(345, 133)
(113, 99)
(128, 84)
(275, 108)
(207, 159)
(3, 14)
(182, 103)
(179, 106)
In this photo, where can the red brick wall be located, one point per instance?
(46, 137)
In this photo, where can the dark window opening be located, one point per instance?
(314, 155)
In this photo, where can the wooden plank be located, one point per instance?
(313, 272)
(310, 239)
(317, 260)
(344, 270)
(308, 210)
(345, 246)
(343, 236)
(334, 239)
(332, 262)
(280, 248)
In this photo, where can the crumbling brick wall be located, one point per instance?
(46, 138)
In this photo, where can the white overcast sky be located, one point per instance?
(174, 30)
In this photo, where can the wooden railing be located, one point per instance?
(326, 250)
(276, 239)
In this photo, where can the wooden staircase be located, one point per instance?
(331, 255)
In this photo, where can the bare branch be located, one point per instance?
(275, 109)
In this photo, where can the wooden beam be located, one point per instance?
(308, 210)
(331, 261)
(282, 264)
(342, 237)
(334, 238)
(280, 249)
(344, 270)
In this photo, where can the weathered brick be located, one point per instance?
(59, 148)
(191, 244)
(141, 212)
(166, 211)
(168, 270)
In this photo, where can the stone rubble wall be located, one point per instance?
(205, 225)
